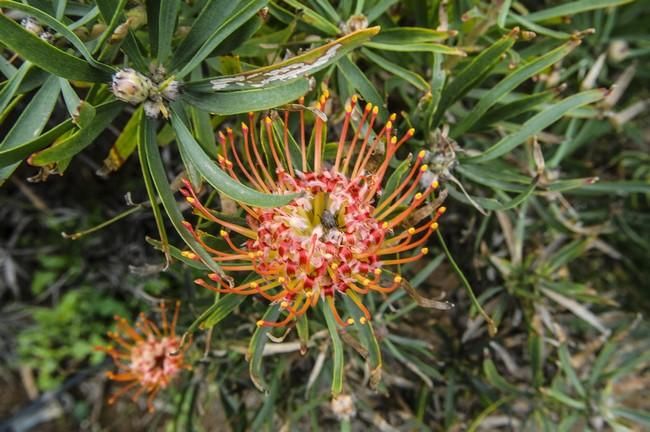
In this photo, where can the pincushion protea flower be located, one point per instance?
(341, 236)
(145, 355)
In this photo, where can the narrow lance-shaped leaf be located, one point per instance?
(46, 56)
(337, 348)
(509, 83)
(61, 28)
(81, 139)
(258, 99)
(236, 20)
(536, 124)
(256, 348)
(217, 177)
(153, 163)
(473, 74)
(303, 65)
(31, 122)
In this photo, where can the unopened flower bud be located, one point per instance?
(47, 37)
(355, 23)
(618, 50)
(131, 86)
(343, 407)
(171, 91)
(31, 25)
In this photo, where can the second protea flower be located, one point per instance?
(346, 234)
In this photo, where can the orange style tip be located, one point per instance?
(259, 323)
(423, 168)
(229, 131)
(190, 200)
(424, 251)
(334, 266)
(348, 110)
(422, 154)
(186, 224)
(301, 99)
(389, 125)
(267, 120)
(350, 321)
(435, 184)
(411, 132)
(369, 107)
(323, 99)
(363, 320)
(244, 127)
(223, 233)
(251, 113)
(392, 117)
(254, 285)
(377, 271)
(354, 98)
(385, 225)
(441, 210)
(397, 279)
(393, 140)
(220, 158)
(215, 277)
(411, 230)
(199, 281)
(326, 93)
(375, 110)
(284, 305)
(281, 279)
(434, 226)
(418, 196)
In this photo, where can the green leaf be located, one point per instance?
(474, 73)
(213, 14)
(337, 348)
(221, 309)
(236, 102)
(358, 80)
(418, 47)
(30, 123)
(408, 76)
(309, 16)
(564, 399)
(536, 124)
(256, 348)
(299, 66)
(572, 8)
(217, 177)
(153, 164)
(11, 86)
(508, 84)
(569, 371)
(166, 26)
(42, 54)
(15, 154)
(234, 21)
(495, 378)
(368, 338)
(81, 139)
(411, 35)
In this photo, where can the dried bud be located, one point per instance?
(355, 23)
(131, 86)
(343, 407)
(31, 25)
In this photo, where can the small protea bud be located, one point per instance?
(343, 407)
(131, 86)
(46, 36)
(355, 23)
(171, 90)
(31, 25)
(618, 50)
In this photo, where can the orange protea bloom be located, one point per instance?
(340, 236)
(145, 355)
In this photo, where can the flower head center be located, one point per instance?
(324, 239)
